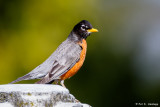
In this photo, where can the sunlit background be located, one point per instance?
(122, 66)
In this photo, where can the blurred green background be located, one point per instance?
(122, 66)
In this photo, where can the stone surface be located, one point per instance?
(36, 95)
(72, 105)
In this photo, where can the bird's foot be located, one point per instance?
(77, 101)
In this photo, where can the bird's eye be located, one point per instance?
(83, 27)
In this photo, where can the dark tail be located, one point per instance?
(26, 77)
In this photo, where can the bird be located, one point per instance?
(66, 60)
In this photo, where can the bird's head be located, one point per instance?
(83, 29)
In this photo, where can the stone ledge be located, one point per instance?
(36, 95)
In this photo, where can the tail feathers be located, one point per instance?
(26, 77)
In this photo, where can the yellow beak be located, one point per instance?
(92, 30)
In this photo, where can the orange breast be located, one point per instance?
(79, 64)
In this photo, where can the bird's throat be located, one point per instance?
(75, 37)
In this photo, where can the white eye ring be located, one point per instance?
(83, 27)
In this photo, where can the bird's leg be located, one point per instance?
(62, 83)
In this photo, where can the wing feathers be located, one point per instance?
(65, 56)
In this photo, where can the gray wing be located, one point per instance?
(65, 56)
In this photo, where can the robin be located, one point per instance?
(66, 60)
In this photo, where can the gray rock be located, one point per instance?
(72, 105)
(37, 95)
